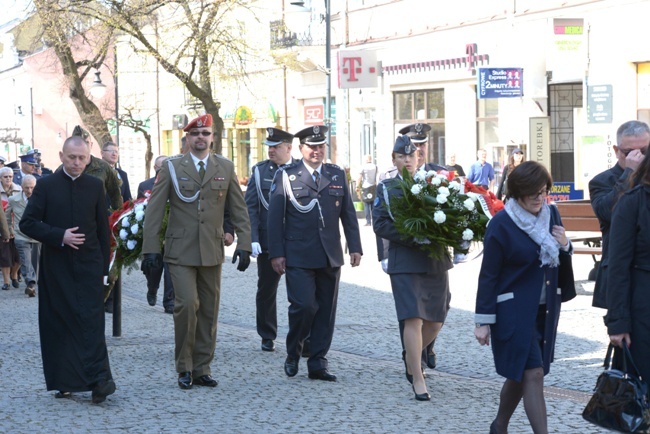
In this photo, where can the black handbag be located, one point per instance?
(620, 400)
(565, 279)
(368, 194)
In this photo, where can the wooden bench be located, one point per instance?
(582, 225)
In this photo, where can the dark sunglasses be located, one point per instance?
(200, 133)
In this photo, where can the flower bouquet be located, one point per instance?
(127, 226)
(438, 212)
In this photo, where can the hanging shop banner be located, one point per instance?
(500, 83)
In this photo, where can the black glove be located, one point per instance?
(244, 259)
(150, 262)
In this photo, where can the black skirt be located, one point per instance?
(9, 254)
(421, 295)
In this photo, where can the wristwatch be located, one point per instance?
(478, 324)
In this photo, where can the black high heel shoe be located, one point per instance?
(422, 396)
(409, 377)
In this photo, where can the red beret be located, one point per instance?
(200, 122)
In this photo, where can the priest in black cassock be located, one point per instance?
(67, 213)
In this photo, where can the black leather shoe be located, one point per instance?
(422, 396)
(268, 345)
(151, 299)
(306, 348)
(291, 367)
(14, 283)
(60, 394)
(169, 309)
(205, 380)
(322, 374)
(185, 380)
(102, 390)
(5, 287)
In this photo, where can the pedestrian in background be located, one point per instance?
(515, 159)
(481, 173)
(9, 257)
(67, 213)
(29, 250)
(308, 201)
(457, 168)
(420, 283)
(197, 186)
(257, 201)
(628, 290)
(28, 165)
(518, 299)
(367, 187)
(111, 154)
(632, 139)
(157, 274)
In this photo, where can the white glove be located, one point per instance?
(384, 265)
(257, 249)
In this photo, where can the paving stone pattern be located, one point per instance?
(255, 396)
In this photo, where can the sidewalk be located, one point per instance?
(254, 395)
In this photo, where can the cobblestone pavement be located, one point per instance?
(254, 395)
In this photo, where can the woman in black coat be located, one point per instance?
(628, 290)
(518, 299)
(515, 159)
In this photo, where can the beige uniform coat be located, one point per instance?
(194, 234)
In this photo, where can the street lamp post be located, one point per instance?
(328, 72)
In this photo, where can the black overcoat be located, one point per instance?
(628, 280)
(71, 290)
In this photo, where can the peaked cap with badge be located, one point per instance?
(275, 136)
(404, 146)
(312, 136)
(416, 132)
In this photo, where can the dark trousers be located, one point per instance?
(265, 300)
(425, 351)
(153, 283)
(312, 295)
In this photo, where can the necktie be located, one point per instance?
(201, 170)
(316, 177)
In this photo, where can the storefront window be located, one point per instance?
(487, 128)
(404, 105)
(427, 107)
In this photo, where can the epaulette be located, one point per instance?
(175, 157)
(333, 166)
(262, 163)
(287, 166)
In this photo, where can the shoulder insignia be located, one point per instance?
(175, 157)
(287, 166)
(333, 166)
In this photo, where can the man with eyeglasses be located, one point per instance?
(111, 154)
(632, 139)
(197, 186)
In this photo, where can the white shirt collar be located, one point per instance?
(196, 160)
(311, 170)
(70, 176)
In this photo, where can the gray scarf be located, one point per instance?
(537, 229)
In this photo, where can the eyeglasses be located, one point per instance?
(111, 152)
(8, 176)
(627, 151)
(541, 193)
(200, 133)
